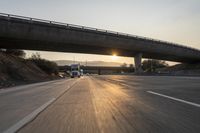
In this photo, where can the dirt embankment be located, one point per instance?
(182, 69)
(16, 71)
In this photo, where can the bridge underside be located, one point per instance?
(11, 43)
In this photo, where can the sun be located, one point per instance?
(114, 57)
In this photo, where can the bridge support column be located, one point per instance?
(138, 63)
(99, 71)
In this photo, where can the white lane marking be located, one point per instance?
(27, 86)
(176, 99)
(35, 113)
(28, 118)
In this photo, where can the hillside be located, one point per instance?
(182, 69)
(15, 71)
(89, 63)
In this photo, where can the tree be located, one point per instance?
(16, 52)
(47, 66)
(36, 56)
(152, 65)
(124, 65)
(131, 65)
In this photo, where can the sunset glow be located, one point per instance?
(114, 57)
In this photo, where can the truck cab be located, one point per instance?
(75, 70)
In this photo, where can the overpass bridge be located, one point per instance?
(19, 32)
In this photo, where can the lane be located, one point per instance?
(186, 88)
(95, 104)
(17, 104)
(156, 114)
(21, 87)
(73, 112)
(14, 128)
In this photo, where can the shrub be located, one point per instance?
(152, 65)
(47, 66)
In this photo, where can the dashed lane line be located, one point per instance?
(176, 99)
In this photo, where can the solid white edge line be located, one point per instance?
(34, 114)
(28, 118)
(176, 99)
(21, 87)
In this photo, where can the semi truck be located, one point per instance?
(75, 70)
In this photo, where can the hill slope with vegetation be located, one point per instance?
(15, 69)
(182, 69)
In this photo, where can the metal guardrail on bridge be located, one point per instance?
(95, 29)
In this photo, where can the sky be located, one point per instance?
(170, 20)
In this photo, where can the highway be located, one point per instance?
(104, 104)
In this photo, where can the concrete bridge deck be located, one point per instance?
(18, 32)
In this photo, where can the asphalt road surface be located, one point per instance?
(105, 104)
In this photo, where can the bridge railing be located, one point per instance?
(94, 29)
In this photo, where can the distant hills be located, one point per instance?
(88, 63)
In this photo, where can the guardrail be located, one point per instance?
(94, 29)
